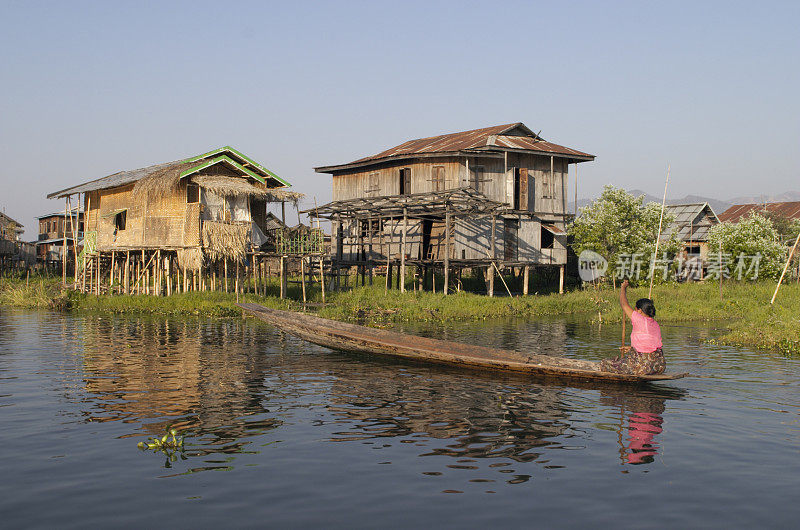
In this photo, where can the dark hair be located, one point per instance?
(647, 307)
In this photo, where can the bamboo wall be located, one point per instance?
(164, 221)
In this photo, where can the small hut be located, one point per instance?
(181, 218)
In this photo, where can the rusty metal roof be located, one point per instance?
(499, 138)
(734, 214)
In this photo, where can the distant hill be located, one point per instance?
(718, 205)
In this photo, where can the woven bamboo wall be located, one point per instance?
(151, 221)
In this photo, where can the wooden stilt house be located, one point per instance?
(494, 197)
(146, 227)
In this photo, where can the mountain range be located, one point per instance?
(718, 205)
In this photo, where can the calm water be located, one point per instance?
(281, 433)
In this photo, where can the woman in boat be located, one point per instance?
(645, 356)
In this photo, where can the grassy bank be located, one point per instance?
(751, 321)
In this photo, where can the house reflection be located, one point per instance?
(202, 376)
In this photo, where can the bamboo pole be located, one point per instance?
(658, 238)
(785, 267)
(111, 273)
(226, 275)
(503, 280)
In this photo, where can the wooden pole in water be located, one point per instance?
(658, 236)
(785, 267)
(128, 272)
(64, 248)
(403, 252)
(525, 278)
(446, 248)
(303, 276)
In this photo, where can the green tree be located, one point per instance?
(618, 225)
(753, 237)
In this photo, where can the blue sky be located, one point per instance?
(91, 88)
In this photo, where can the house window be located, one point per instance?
(119, 220)
(405, 181)
(192, 193)
(521, 189)
(437, 178)
(547, 238)
(476, 178)
(374, 184)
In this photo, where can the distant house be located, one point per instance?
(691, 224)
(10, 241)
(496, 195)
(200, 211)
(53, 229)
(789, 210)
(10, 230)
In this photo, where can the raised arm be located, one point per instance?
(623, 299)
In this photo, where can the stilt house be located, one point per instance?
(489, 197)
(56, 235)
(200, 210)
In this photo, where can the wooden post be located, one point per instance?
(128, 272)
(403, 252)
(446, 248)
(97, 276)
(526, 272)
(111, 274)
(322, 275)
(388, 277)
(283, 277)
(303, 276)
(226, 274)
(561, 279)
(169, 275)
(490, 273)
(64, 248)
(236, 282)
(158, 270)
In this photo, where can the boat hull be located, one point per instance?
(350, 337)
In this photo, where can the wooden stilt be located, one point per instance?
(403, 252)
(526, 272)
(303, 277)
(283, 277)
(561, 279)
(128, 272)
(446, 249)
(226, 275)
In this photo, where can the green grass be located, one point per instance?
(744, 307)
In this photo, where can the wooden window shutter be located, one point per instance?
(523, 188)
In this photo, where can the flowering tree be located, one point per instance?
(622, 229)
(753, 238)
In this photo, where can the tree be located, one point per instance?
(618, 226)
(753, 240)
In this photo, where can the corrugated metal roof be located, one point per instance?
(691, 221)
(790, 210)
(498, 138)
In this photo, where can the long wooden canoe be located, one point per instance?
(351, 337)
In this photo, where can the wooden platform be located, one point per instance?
(351, 337)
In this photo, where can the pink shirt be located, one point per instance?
(646, 334)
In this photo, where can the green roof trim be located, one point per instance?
(241, 155)
(226, 160)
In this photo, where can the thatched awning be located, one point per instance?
(232, 186)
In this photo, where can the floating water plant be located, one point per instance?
(170, 444)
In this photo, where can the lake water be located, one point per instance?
(282, 433)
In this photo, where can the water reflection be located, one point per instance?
(203, 378)
(225, 383)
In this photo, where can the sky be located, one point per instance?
(92, 88)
